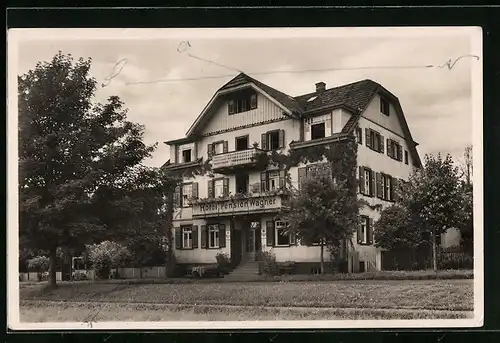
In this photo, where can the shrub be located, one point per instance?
(105, 256)
(78, 276)
(40, 264)
(224, 262)
(455, 260)
(267, 260)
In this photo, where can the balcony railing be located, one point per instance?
(235, 158)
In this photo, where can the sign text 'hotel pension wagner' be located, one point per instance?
(237, 206)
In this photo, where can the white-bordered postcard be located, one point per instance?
(245, 178)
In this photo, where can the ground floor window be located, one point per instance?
(213, 236)
(282, 237)
(365, 231)
(187, 237)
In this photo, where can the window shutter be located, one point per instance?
(381, 144)
(359, 235)
(264, 141)
(270, 234)
(367, 137)
(226, 187)
(177, 238)
(302, 176)
(224, 147)
(195, 236)
(263, 181)
(177, 196)
(204, 236)
(373, 183)
(230, 106)
(210, 188)
(389, 147)
(209, 150)
(253, 101)
(393, 190)
(370, 231)
(362, 180)
(195, 190)
(282, 179)
(176, 157)
(222, 235)
(379, 184)
(281, 135)
(400, 153)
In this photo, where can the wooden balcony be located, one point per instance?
(230, 162)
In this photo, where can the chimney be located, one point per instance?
(320, 87)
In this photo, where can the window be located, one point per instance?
(365, 231)
(384, 106)
(374, 140)
(282, 237)
(187, 238)
(186, 156)
(241, 143)
(242, 181)
(273, 179)
(242, 102)
(386, 187)
(273, 140)
(213, 236)
(368, 183)
(318, 131)
(394, 150)
(406, 157)
(218, 147)
(219, 188)
(359, 135)
(187, 192)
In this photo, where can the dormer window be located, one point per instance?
(318, 131)
(242, 102)
(186, 156)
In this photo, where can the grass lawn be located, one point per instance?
(40, 311)
(347, 298)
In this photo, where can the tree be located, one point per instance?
(69, 149)
(433, 198)
(324, 211)
(395, 231)
(105, 256)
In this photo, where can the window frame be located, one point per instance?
(243, 102)
(365, 223)
(239, 138)
(190, 155)
(385, 105)
(386, 187)
(269, 140)
(317, 124)
(368, 187)
(276, 178)
(221, 180)
(359, 135)
(277, 235)
(187, 230)
(213, 229)
(187, 204)
(406, 157)
(215, 144)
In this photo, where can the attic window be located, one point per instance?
(242, 102)
(312, 99)
(186, 156)
(384, 106)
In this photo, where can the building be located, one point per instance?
(246, 117)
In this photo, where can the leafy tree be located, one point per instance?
(324, 211)
(105, 256)
(395, 231)
(433, 198)
(69, 149)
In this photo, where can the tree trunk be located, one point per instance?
(434, 249)
(322, 263)
(52, 267)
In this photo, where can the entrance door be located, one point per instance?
(250, 244)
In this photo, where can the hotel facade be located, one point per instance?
(234, 208)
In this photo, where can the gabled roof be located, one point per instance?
(355, 97)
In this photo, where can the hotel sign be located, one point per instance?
(237, 206)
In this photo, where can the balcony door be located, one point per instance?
(241, 143)
(242, 183)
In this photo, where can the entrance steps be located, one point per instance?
(246, 270)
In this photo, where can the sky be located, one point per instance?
(436, 101)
